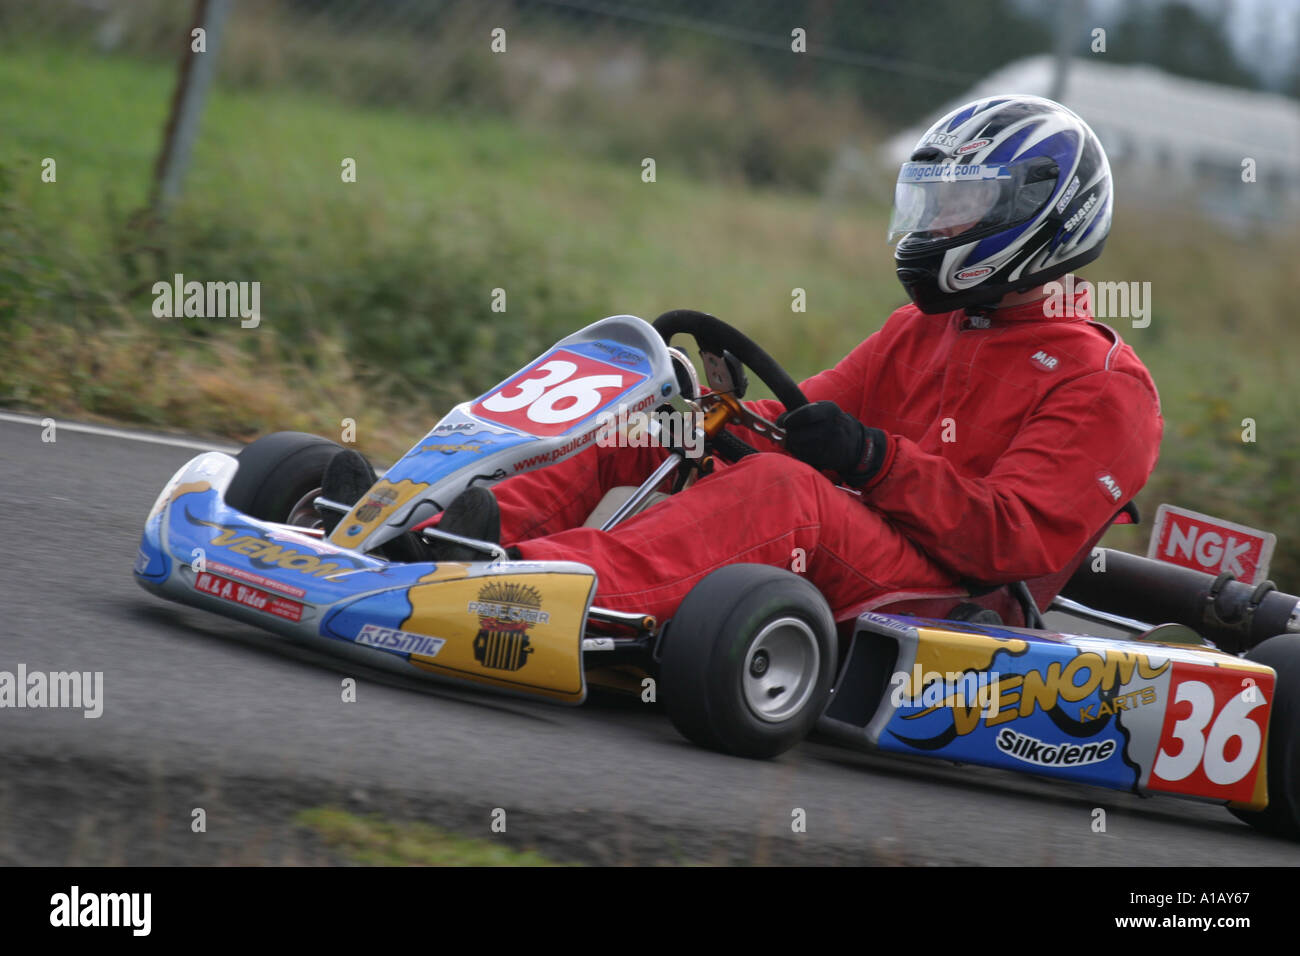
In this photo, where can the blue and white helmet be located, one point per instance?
(999, 196)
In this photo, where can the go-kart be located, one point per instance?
(754, 659)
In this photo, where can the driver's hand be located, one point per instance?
(830, 439)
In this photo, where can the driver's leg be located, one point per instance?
(765, 509)
(560, 496)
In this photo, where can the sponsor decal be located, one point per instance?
(972, 146)
(1070, 190)
(1043, 754)
(950, 172)
(1045, 361)
(617, 354)
(264, 553)
(513, 567)
(376, 501)
(465, 428)
(940, 139)
(450, 450)
(451, 428)
(1018, 695)
(400, 642)
(1109, 487)
(258, 579)
(1079, 216)
(248, 596)
(380, 503)
(1210, 545)
(506, 611)
(978, 272)
(1120, 702)
(885, 621)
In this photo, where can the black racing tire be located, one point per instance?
(748, 661)
(276, 472)
(1282, 815)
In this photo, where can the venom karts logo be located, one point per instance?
(506, 610)
(265, 552)
(1058, 690)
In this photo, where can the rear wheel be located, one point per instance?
(1282, 815)
(279, 477)
(748, 661)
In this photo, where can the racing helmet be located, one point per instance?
(999, 196)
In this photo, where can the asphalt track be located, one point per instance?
(202, 712)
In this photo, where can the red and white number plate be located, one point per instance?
(555, 393)
(1213, 736)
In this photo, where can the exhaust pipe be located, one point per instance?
(1234, 615)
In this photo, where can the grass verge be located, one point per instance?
(375, 841)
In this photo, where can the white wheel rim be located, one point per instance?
(781, 669)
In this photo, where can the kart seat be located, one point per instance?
(613, 500)
(999, 598)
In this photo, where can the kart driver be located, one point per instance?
(986, 433)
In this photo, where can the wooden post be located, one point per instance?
(192, 82)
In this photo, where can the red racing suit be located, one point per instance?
(1010, 446)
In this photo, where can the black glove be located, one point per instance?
(830, 439)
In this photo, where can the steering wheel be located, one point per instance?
(724, 349)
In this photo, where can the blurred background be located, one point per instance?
(513, 160)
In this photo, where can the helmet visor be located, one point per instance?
(938, 201)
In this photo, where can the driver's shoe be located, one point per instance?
(348, 476)
(472, 514)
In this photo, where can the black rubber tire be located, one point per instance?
(276, 471)
(706, 651)
(1282, 815)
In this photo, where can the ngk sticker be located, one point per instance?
(1212, 545)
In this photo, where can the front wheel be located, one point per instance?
(748, 661)
(280, 476)
(1282, 763)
